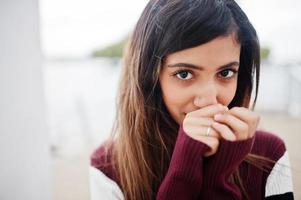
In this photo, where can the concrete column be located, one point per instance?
(24, 152)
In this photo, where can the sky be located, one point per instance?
(76, 28)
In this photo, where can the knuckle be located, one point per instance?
(188, 115)
(245, 127)
(255, 119)
(222, 126)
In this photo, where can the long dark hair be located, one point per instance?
(145, 132)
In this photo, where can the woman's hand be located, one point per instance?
(196, 125)
(236, 124)
(239, 121)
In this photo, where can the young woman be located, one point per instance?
(184, 127)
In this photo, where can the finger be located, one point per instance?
(203, 124)
(245, 115)
(213, 143)
(240, 128)
(209, 111)
(204, 121)
(224, 131)
(197, 131)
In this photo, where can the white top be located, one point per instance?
(102, 187)
(280, 179)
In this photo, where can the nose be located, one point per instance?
(207, 94)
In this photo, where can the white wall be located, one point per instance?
(24, 156)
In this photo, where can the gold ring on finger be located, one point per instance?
(208, 131)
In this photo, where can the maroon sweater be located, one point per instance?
(192, 176)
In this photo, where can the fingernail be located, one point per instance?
(226, 108)
(198, 101)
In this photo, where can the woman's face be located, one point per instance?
(208, 71)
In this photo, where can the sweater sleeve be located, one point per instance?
(219, 167)
(184, 176)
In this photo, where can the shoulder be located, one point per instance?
(101, 159)
(102, 187)
(278, 180)
(103, 180)
(269, 145)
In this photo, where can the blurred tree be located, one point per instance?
(113, 51)
(116, 50)
(264, 53)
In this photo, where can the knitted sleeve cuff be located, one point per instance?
(184, 177)
(227, 159)
(188, 154)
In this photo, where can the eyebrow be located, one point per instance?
(189, 65)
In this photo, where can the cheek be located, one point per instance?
(174, 99)
(228, 93)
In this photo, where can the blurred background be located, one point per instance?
(59, 68)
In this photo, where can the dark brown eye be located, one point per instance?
(227, 73)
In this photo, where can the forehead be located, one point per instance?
(215, 53)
